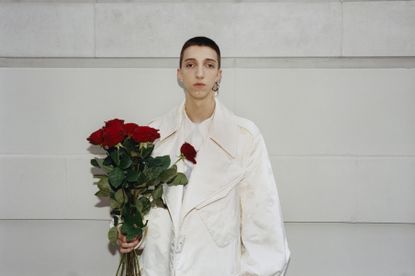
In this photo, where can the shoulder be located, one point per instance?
(247, 126)
(157, 121)
(250, 137)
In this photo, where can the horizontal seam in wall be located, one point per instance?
(343, 155)
(190, 1)
(227, 62)
(92, 155)
(348, 222)
(286, 222)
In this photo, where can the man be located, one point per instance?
(227, 220)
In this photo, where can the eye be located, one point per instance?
(211, 65)
(189, 65)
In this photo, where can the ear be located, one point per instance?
(219, 76)
(179, 74)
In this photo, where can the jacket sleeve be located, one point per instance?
(265, 250)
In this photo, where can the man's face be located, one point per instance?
(199, 71)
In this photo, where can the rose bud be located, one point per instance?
(129, 128)
(189, 152)
(143, 134)
(113, 135)
(96, 137)
(114, 123)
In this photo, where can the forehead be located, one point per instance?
(199, 53)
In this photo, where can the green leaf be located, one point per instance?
(131, 231)
(103, 184)
(132, 216)
(151, 173)
(115, 156)
(99, 163)
(102, 193)
(132, 175)
(141, 179)
(155, 166)
(145, 151)
(158, 192)
(133, 222)
(179, 179)
(108, 161)
(159, 161)
(125, 161)
(168, 174)
(130, 144)
(116, 177)
(115, 204)
(143, 205)
(159, 203)
(120, 196)
(113, 234)
(94, 163)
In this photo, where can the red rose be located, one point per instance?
(145, 134)
(188, 152)
(96, 137)
(114, 123)
(113, 135)
(129, 128)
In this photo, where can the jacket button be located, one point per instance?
(179, 244)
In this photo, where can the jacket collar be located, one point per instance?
(222, 130)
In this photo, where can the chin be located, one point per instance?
(199, 94)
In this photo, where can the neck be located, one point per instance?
(199, 110)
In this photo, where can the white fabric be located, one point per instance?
(194, 134)
(229, 222)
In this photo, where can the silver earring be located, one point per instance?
(216, 87)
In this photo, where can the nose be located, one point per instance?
(200, 73)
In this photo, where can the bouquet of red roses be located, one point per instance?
(133, 179)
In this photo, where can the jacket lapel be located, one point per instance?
(215, 171)
(168, 126)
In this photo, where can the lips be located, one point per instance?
(199, 84)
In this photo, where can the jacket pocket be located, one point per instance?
(221, 217)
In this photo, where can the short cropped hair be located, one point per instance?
(200, 41)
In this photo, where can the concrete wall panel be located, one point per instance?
(351, 249)
(364, 189)
(287, 29)
(379, 28)
(334, 112)
(47, 29)
(80, 248)
(49, 247)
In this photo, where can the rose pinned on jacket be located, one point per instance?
(188, 152)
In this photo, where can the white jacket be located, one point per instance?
(230, 221)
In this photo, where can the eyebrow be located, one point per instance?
(193, 59)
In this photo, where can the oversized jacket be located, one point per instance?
(230, 221)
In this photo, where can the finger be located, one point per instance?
(122, 250)
(127, 247)
(129, 244)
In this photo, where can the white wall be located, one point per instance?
(330, 84)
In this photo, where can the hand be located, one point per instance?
(126, 247)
